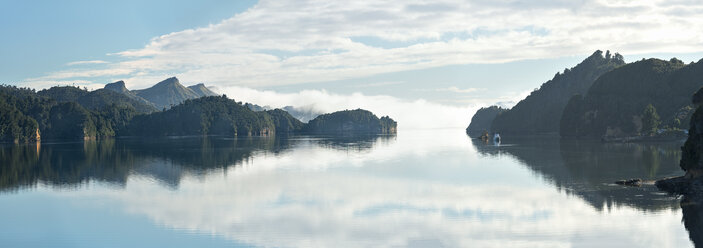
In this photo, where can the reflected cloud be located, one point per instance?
(330, 208)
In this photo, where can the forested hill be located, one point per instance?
(541, 111)
(615, 104)
(98, 99)
(212, 115)
(482, 120)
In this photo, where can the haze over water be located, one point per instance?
(421, 188)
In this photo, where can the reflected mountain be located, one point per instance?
(165, 159)
(588, 168)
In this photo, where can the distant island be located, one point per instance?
(166, 109)
(357, 121)
(604, 98)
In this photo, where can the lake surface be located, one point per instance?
(421, 188)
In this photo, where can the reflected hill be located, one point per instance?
(692, 208)
(353, 142)
(164, 159)
(588, 168)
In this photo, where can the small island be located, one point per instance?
(357, 121)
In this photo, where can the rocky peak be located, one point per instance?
(118, 86)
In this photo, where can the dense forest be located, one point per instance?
(482, 120)
(32, 116)
(617, 103)
(98, 99)
(71, 113)
(285, 122)
(357, 121)
(541, 111)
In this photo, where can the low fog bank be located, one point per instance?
(417, 114)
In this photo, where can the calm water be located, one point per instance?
(429, 188)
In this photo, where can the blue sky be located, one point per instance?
(43, 36)
(451, 53)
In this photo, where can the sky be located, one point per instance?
(455, 55)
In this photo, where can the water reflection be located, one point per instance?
(166, 160)
(417, 189)
(692, 208)
(589, 168)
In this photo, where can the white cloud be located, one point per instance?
(87, 62)
(319, 38)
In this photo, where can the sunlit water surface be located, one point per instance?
(421, 188)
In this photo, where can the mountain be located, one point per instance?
(482, 120)
(357, 121)
(302, 114)
(615, 104)
(98, 99)
(167, 93)
(256, 107)
(118, 87)
(201, 90)
(541, 111)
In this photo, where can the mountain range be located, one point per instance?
(165, 94)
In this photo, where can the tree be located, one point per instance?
(650, 120)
